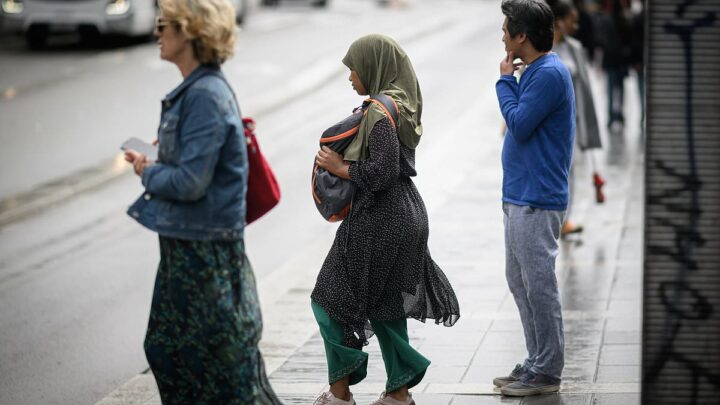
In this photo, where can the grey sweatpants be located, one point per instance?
(531, 246)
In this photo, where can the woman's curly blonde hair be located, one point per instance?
(208, 24)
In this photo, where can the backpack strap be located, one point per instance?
(387, 104)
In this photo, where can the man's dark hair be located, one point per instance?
(532, 17)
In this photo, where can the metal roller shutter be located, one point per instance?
(681, 308)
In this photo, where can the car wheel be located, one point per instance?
(89, 36)
(319, 3)
(36, 36)
(241, 12)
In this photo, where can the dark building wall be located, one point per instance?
(681, 308)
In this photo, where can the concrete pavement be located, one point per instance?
(599, 273)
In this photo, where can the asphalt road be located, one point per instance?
(76, 277)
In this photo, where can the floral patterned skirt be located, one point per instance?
(205, 325)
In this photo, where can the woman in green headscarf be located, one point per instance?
(379, 271)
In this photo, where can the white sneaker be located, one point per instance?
(386, 400)
(327, 398)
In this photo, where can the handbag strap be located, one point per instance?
(247, 123)
(221, 76)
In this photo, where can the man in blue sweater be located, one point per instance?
(540, 115)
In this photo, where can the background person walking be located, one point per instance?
(205, 324)
(615, 26)
(540, 115)
(587, 130)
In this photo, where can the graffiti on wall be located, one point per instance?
(681, 301)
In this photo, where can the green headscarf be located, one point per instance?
(383, 67)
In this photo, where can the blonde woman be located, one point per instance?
(205, 323)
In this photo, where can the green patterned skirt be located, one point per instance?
(205, 325)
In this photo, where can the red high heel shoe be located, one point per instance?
(598, 182)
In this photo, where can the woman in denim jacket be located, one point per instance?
(205, 323)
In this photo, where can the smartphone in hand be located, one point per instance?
(138, 145)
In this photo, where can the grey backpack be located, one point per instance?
(333, 196)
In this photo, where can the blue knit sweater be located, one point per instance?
(540, 117)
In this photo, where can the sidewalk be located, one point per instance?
(599, 274)
(600, 281)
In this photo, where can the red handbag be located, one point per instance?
(263, 191)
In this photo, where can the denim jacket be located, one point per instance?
(196, 189)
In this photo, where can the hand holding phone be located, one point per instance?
(140, 146)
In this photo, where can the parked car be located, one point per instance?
(37, 19)
(314, 3)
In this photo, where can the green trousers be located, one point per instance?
(403, 364)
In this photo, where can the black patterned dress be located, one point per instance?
(379, 266)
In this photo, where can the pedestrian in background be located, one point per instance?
(585, 31)
(379, 271)
(614, 24)
(205, 323)
(537, 151)
(570, 51)
(637, 55)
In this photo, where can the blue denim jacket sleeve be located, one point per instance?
(202, 134)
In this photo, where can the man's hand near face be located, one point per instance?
(507, 67)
